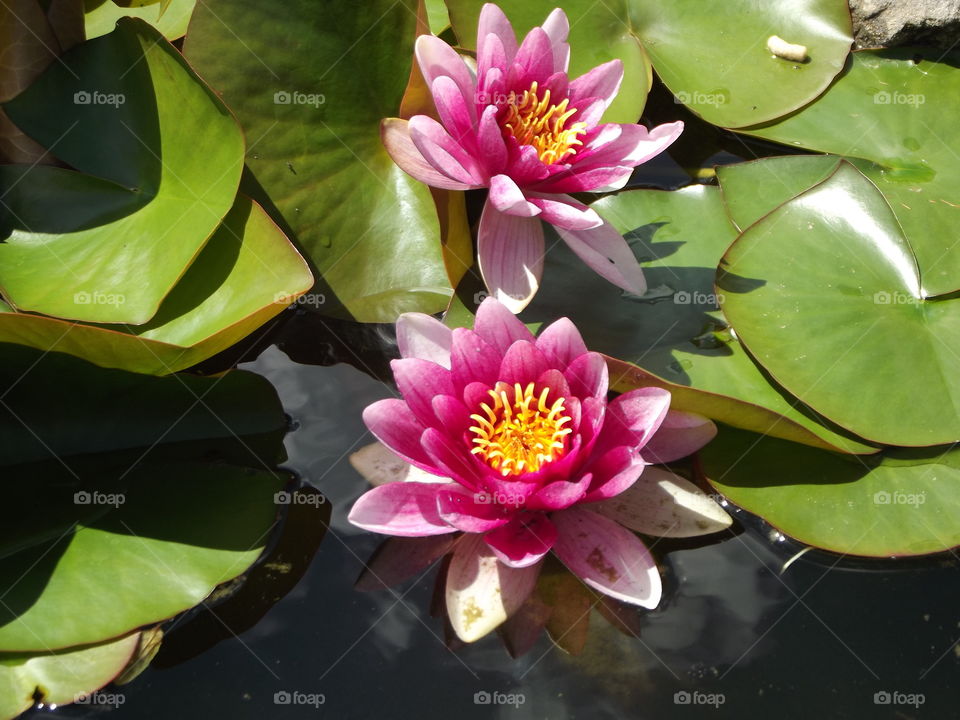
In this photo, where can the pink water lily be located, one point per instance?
(520, 127)
(511, 440)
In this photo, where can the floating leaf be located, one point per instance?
(170, 17)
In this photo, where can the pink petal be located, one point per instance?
(680, 434)
(482, 592)
(561, 342)
(634, 417)
(603, 82)
(525, 166)
(607, 557)
(557, 29)
(408, 509)
(393, 424)
(498, 326)
(523, 541)
(401, 558)
(588, 376)
(425, 337)
(506, 197)
(631, 146)
(534, 60)
(419, 381)
(615, 471)
(493, 21)
(608, 254)
(451, 456)
(456, 113)
(561, 494)
(553, 379)
(437, 59)
(452, 414)
(395, 135)
(490, 143)
(523, 363)
(510, 252)
(473, 359)
(563, 211)
(585, 180)
(443, 152)
(471, 511)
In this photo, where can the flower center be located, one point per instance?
(534, 121)
(519, 434)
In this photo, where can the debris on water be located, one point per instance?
(714, 335)
(652, 295)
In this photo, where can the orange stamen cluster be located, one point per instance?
(534, 121)
(519, 434)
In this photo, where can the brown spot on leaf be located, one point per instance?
(598, 562)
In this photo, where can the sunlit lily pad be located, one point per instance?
(887, 110)
(159, 159)
(310, 84)
(62, 677)
(902, 503)
(826, 294)
(170, 17)
(246, 274)
(675, 332)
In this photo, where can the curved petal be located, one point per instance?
(443, 152)
(561, 342)
(680, 434)
(452, 414)
(607, 557)
(523, 363)
(506, 197)
(557, 28)
(523, 541)
(607, 253)
(588, 376)
(451, 456)
(493, 21)
(632, 145)
(419, 381)
(407, 509)
(425, 337)
(615, 471)
(498, 326)
(635, 416)
(510, 252)
(456, 113)
(560, 494)
(666, 505)
(471, 511)
(482, 592)
(563, 211)
(437, 59)
(588, 180)
(395, 135)
(473, 359)
(394, 424)
(534, 59)
(602, 81)
(492, 149)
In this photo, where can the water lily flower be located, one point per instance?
(520, 127)
(511, 440)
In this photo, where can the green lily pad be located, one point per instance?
(176, 532)
(717, 61)
(674, 336)
(889, 112)
(826, 294)
(160, 158)
(246, 274)
(291, 73)
(170, 17)
(597, 35)
(60, 678)
(904, 502)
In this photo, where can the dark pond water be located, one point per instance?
(734, 636)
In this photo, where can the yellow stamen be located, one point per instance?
(534, 121)
(521, 433)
